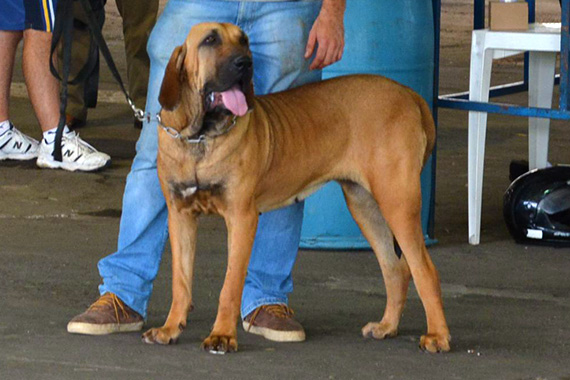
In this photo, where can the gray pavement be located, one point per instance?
(507, 305)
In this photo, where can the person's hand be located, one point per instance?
(328, 34)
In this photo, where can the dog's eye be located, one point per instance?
(210, 40)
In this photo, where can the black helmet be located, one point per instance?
(536, 206)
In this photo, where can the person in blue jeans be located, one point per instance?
(291, 41)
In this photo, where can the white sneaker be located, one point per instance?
(76, 155)
(14, 145)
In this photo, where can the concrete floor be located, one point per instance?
(508, 305)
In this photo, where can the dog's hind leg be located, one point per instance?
(395, 269)
(400, 202)
(182, 227)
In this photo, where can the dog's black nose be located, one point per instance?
(243, 63)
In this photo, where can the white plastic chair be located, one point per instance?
(542, 41)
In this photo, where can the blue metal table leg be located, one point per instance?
(479, 14)
(531, 19)
(564, 56)
(437, 33)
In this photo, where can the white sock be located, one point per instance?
(49, 135)
(4, 126)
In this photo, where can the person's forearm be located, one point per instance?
(336, 7)
(328, 34)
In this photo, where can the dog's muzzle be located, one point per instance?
(230, 93)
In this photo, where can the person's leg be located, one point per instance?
(130, 271)
(14, 145)
(12, 21)
(76, 109)
(82, 95)
(137, 24)
(278, 36)
(8, 43)
(43, 88)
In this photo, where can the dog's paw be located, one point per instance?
(434, 343)
(159, 335)
(220, 344)
(379, 330)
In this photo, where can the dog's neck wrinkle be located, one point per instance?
(231, 142)
(195, 124)
(213, 130)
(189, 114)
(192, 125)
(268, 131)
(175, 119)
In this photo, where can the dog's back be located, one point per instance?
(337, 114)
(346, 103)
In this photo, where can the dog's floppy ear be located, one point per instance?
(171, 89)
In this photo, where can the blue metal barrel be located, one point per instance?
(390, 38)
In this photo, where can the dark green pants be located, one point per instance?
(139, 16)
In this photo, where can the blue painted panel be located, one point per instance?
(390, 38)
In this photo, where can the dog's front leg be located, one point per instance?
(241, 224)
(182, 227)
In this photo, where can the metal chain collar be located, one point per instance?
(140, 115)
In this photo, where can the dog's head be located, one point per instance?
(209, 77)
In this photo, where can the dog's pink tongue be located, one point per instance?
(234, 100)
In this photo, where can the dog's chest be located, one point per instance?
(197, 197)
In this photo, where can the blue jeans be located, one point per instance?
(278, 32)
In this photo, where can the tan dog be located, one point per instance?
(369, 133)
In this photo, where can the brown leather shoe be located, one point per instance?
(107, 315)
(274, 322)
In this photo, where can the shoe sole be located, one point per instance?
(69, 167)
(18, 157)
(95, 329)
(274, 335)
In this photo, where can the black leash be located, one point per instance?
(63, 30)
(102, 44)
